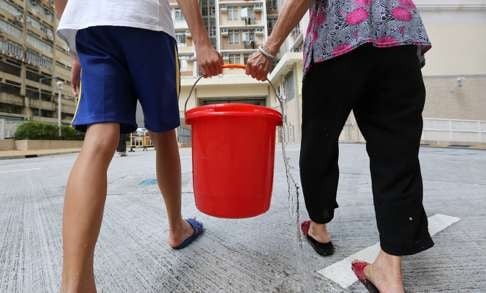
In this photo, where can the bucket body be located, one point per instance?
(233, 149)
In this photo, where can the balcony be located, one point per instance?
(11, 99)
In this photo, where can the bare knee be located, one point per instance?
(101, 140)
(163, 138)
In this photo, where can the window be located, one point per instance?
(10, 29)
(11, 49)
(34, 23)
(233, 13)
(37, 60)
(248, 36)
(10, 8)
(245, 58)
(34, 76)
(38, 44)
(234, 37)
(212, 32)
(183, 63)
(234, 59)
(12, 88)
(181, 38)
(9, 108)
(10, 68)
(178, 15)
(289, 86)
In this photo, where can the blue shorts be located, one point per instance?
(120, 65)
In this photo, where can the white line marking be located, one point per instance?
(19, 170)
(341, 273)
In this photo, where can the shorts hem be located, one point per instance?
(162, 129)
(125, 126)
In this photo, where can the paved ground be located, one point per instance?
(254, 255)
(35, 153)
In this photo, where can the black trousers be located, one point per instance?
(385, 90)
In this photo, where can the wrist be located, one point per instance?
(271, 47)
(202, 43)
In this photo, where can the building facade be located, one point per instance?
(236, 29)
(34, 65)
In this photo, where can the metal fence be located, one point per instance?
(452, 131)
(8, 127)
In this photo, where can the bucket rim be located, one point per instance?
(232, 110)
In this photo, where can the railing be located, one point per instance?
(451, 131)
(454, 130)
(8, 127)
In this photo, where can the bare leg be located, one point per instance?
(168, 168)
(83, 207)
(319, 232)
(386, 273)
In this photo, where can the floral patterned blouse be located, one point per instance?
(336, 27)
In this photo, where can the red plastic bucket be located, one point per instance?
(233, 147)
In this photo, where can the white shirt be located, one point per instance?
(146, 14)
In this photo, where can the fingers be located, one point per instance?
(258, 66)
(74, 90)
(210, 64)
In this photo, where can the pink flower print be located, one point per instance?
(385, 41)
(357, 16)
(320, 18)
(407, 4)
(402, 30)
(365, 2)
(341, 49)
(314, 36)
(401, 14)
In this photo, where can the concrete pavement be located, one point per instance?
(253, 255)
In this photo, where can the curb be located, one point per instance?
(35, 155)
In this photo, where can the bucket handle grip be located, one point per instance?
(234, 66)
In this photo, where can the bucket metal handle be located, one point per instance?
(235, 66)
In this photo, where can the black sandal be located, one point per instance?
(323, 249)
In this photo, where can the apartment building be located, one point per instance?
(34, 64)
(236, 28)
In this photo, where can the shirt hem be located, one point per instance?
(425, 46)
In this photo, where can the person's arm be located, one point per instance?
(75, 66)
(59, 6)
(259, 65)
(209, 61)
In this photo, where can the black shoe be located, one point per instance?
(323, 249)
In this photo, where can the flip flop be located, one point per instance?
(323, 249)
(198, 230)
(358, 269)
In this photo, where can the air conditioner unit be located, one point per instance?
(258, 7)
(223, 8)
(225, 57)
(224, 32)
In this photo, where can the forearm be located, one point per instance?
(290, 15)
(60, 5)
(191, 11)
